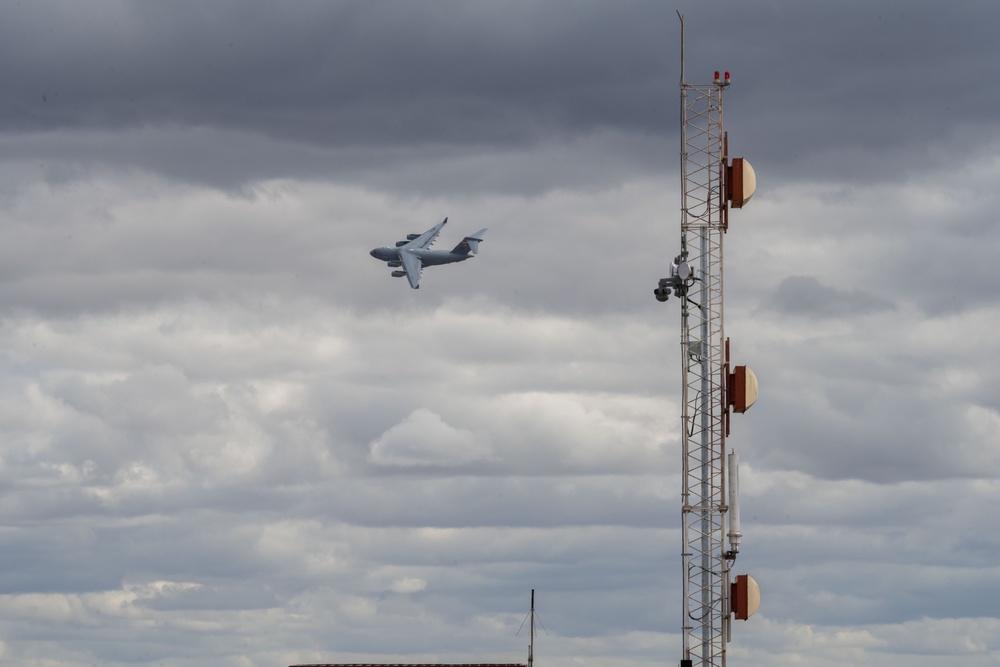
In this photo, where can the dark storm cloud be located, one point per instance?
(229, 93)
(387, 84)
(338, 73)
(863, 90)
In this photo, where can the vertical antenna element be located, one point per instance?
(681, 17)
(734, 503)
(531, 644)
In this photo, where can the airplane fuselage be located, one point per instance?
(427, 257)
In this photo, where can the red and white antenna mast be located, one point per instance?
(710, 185)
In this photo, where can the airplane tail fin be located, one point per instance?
(470, 243)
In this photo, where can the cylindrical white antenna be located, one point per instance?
(734, 502)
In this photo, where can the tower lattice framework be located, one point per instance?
(705, 561)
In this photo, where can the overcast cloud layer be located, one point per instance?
(229, 437)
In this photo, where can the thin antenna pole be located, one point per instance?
(531, 645)
(681, 17)
(684, 175)
(686, 627)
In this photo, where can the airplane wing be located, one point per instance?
(412, 263)
(427, 238)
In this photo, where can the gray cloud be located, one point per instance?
(805, 296)
(409, 79)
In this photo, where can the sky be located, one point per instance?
(228, 437)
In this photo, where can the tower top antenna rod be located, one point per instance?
(681, 17)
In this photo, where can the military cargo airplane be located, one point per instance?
(414, 253)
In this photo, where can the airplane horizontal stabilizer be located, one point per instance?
(470, 243)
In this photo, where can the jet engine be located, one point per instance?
(410, 237)
(398, 274)
(394, 263)
(401, 243)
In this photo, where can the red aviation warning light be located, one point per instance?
(717, 81)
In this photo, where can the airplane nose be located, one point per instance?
(372, 253)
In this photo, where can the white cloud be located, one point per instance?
(408, 585)
(424, 439)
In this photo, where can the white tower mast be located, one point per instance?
(697, 280)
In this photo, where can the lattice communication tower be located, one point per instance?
(710, 185)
